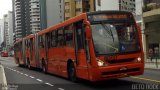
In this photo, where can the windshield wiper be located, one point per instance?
(108, 30)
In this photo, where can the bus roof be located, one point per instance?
(18, 41)
(65, 23)
(29, 36)
(72, 20)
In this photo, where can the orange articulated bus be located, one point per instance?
(94, 46)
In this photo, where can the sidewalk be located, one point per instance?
(152, 64)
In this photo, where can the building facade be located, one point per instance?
(8, 30)
(54, 12)
(76, 7)
(122, 5)
(151, 15)
(32, 16)
(19, 18)
(1, 31)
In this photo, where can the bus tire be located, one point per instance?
(72, 72)
(44, 69)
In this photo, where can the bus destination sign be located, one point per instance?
(108, 17)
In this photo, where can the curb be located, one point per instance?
(4, 81)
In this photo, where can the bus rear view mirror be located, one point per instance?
(88, 33)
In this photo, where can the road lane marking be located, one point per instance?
(60, 88)
(146, 79)
(21, 73)
(49, 84)
(39, 80)
(26, 75)
(31, 77)
(18, 72)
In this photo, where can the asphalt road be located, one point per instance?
(19, 78)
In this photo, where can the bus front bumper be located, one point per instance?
(117, 71)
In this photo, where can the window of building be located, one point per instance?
(66, 3)
(99, 2)
(153, 50)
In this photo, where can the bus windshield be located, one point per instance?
(115, 36)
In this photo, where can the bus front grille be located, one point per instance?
(119, 71)
(120, 61)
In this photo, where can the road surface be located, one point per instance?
(20, 78)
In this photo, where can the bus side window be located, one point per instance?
(79, 35)
(31, 44)
(49, 40)
(60, 38)
(53, 38)
(25, 44)
(68, 33)
(41, 42)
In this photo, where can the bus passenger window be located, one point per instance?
(26, 43)
(49, 40)
(41, 42)
(79, 35)
(60, 37)
(31, 44)
(68, 33)
(53, 39)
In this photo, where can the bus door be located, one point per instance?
(81, 52)
(32, 51)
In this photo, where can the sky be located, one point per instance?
(5, 6)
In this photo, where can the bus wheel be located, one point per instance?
(44, 67)
(72, 72)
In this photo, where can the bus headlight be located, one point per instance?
(101, 63)
(139, 59)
